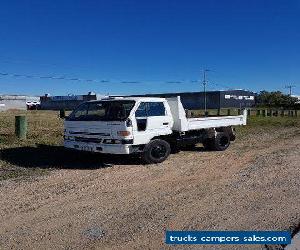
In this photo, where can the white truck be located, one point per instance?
(148, 126)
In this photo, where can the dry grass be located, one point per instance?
(44, 127)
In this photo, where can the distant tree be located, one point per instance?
(275, 99)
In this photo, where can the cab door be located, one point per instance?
(151, 119)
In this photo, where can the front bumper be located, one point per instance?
(99, 147)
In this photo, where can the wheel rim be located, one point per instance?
(224, 141)
(158, 151)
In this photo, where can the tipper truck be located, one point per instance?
(148, 126)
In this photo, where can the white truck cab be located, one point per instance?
(148, 126)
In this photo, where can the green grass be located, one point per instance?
(274, 121)
(271, 122)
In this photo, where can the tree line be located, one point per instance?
(276, 99)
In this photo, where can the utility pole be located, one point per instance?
(204, 89)
(290, 88)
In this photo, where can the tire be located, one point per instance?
(231, 132)
(156, 151)
(221, 141)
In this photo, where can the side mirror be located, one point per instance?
(128, 122)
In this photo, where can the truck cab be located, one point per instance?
(114, 125)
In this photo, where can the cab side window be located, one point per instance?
(147, 109)
(156, 109)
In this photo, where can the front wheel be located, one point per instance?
(156, 151)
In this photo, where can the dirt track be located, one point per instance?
(254, 185)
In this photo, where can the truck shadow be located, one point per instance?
(193, 148)
(57, 157)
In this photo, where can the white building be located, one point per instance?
(19, 102)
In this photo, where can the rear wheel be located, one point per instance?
(219, 143)
(222, 141)
(156, 151)
(230, 131)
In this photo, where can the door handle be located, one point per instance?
(165, 123)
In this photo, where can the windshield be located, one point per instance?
(102, 111)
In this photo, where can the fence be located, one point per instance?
(263, 112)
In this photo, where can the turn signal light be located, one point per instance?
(123, 133)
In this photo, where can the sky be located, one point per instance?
(137, 47)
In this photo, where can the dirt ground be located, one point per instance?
(254, 185)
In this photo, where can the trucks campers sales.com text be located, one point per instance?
(228, 237)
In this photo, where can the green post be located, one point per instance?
(258, 112)
(296, 112)
(228, 111)
(21, 126)
(62, 113)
